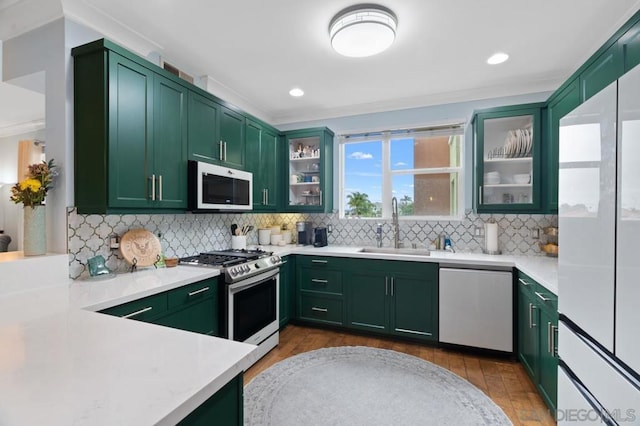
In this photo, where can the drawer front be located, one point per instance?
(321, 309)
(199, 317)
(320, 280)
(322, 262)
(141, 309)
(192, 292)
(543, 296)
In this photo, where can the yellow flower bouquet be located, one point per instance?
(33, 190)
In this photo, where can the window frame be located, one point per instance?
(386, 137)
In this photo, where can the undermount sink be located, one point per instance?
(390, 250)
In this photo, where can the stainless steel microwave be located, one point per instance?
(213, 187)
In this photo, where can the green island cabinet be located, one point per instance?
(130, 132)
(393, 297)
(263, 147)
(538, 337)
(287, 290)
(216, 133)
(225, 407)
(193, 307)
(507, 156)
(309, 180)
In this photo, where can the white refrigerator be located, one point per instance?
(599, 258)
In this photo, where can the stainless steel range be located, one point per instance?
(250, 302)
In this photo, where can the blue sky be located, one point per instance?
(363, 168)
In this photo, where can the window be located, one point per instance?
(422, 168)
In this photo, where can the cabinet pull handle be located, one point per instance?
(320, 197)
(531, 308)
(220, 149)
(319, 309)
(386, 286)
(480, 194)
(523, 282)
(153, 187)
(393, 285)
(541, 296)
(318, 261)
(141, 311)
(554, 330)
(548, 337)
(318, 281)
(225, 151)
(266, 194)
(160, 187)
(202, 290)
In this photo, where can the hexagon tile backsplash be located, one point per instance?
(187, 234)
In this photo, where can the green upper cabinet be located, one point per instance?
(630, 45)
(309, 181)
(232, 138)
(130, 130)
(507, 150)
(216, 133)
(203, 143)
(262, 145)
(170, 143)
(558, 106)
(603, 71)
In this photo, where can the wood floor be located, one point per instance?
(504, 381)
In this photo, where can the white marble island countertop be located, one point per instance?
(85, 368)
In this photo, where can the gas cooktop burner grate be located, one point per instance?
(225, 258)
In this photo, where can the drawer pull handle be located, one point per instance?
(319, 261)
(319, 309)
(141, 311)
(524, 283)
(541, 296)
(202, 290)
(318, 281)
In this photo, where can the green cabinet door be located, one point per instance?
(548, 360)
(559, 106)
(367, 304)
(527, 329)
(203, 140)
(232, 138)
(414, 305)
(130, 133)
(170, 144)
(262, 161)
(630, 44)
(225, 407)
(604, 70)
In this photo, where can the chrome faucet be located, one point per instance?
(379, 235)
(394, 219)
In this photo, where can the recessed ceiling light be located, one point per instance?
(497, 58)
(296, 92)
(363, 30)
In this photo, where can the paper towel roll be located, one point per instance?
(491, 237)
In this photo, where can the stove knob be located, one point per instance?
(247, 268)
(232, 272)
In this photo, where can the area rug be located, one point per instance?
(354, 385)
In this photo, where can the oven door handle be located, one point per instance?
(250, 282)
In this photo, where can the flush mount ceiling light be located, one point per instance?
(296, 92)
(363, 30)
(497, 58)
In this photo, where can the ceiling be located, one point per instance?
(255, 51)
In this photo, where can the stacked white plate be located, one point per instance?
(492, 178)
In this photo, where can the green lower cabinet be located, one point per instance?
(287, 297)
(225, 407)
(399, 298)
(193, 307)
(538, 337)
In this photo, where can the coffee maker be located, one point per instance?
(305, 233)
(320, 239)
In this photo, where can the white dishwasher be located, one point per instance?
(476, 308)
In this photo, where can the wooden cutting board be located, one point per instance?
(140, 247)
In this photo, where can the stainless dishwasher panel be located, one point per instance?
(476, 308)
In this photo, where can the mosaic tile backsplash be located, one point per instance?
(188, 234)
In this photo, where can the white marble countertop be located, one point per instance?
(541, 268)
(61, 364)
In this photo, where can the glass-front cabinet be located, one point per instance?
(507, 159)
(309, 181)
